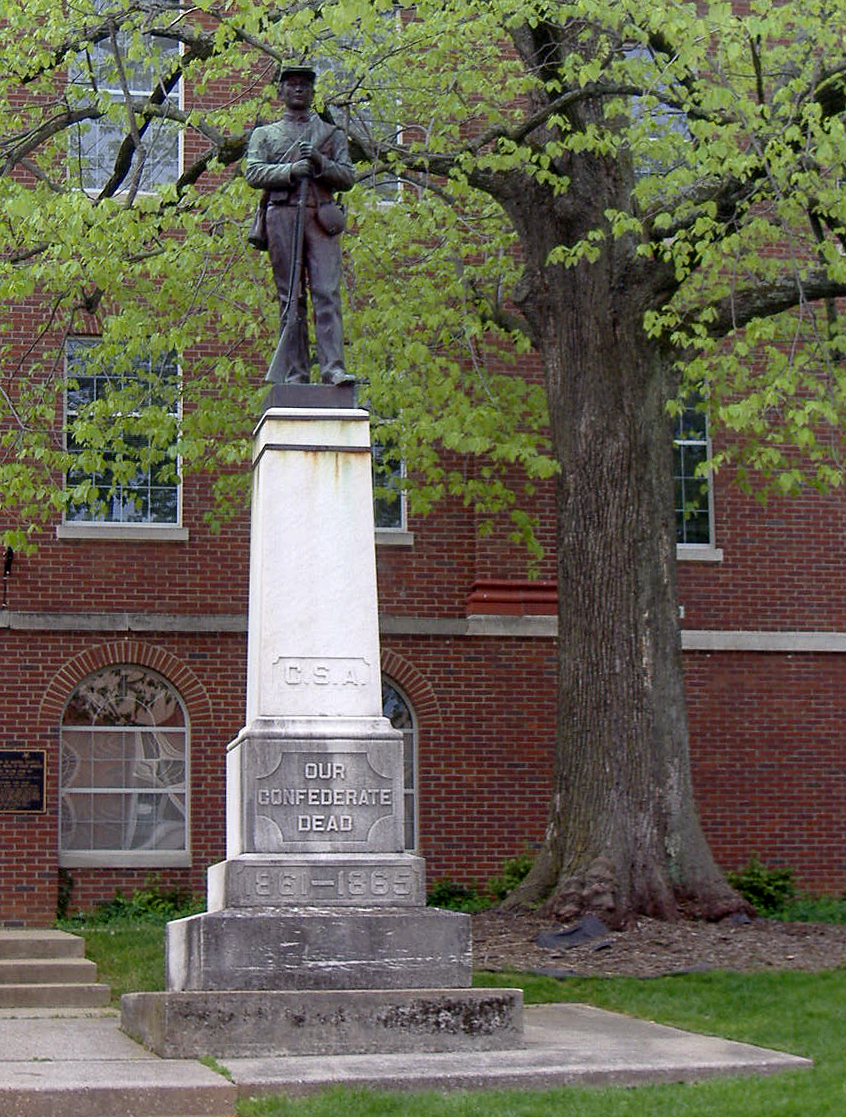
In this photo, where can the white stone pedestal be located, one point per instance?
(316, 891)
(317, 770)
(314, 639)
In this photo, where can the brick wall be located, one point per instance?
(782, 566)
(485, 709)
(767, 727)
(769, 762)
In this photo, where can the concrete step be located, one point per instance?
(40, 944)
(78, 1063)
(106, 1089)
(47, 971)
(45, 995)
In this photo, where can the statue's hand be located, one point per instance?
(301, 169)
(310, 152)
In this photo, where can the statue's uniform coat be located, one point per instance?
(272, 151)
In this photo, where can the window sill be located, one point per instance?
(142, 859)
(698, 552)
(125, 533)
(394, 537)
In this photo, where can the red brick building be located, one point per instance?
(124, 660)
(468, 646)
(763, 632)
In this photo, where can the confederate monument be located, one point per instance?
(300, 162)
(317, 938)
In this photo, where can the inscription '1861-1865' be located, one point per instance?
(345, 884)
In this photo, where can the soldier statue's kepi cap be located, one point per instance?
(287, 70)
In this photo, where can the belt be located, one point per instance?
(291, 202)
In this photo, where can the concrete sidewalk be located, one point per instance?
(65, 1063)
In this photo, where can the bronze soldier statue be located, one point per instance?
(301, 162)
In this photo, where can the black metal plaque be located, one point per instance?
(23, 781)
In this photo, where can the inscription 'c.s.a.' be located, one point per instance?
(331, 671)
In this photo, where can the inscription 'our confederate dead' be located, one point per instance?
(341, 796)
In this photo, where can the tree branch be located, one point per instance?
(498, 316)
(754, 47)
(98, 33)
(134, 133)
(15, 151)
(740, 307)
(731, 195)
(228, 150)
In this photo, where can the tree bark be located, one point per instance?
(623, 836)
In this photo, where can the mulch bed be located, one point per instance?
(507, 941)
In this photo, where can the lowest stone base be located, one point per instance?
(250, 1024)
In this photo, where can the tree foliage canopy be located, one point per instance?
(727, 131)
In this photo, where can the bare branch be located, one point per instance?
(763, 300)
(229, 150)
(16, 150)
(731, 195)
(139, 148)
(498, 316)
(38, 173)
(755, 50)
(29, 253)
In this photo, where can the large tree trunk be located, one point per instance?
(623, 835)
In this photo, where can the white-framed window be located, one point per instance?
(658, 129)
(129, 483)
(397, 709)
(351, 104)
(123, 771)
(389, 506)
(94, 80)
(693, 490)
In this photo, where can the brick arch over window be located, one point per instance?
(419, 690)
(136, 652)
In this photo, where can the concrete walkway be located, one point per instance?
(65, 1063)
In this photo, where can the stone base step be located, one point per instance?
(249, 1024)
(40, 944)
(319, 948)
(62, 995)
(47, 971)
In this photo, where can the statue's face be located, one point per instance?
(297, 91)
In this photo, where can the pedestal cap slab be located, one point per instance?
(319, 948)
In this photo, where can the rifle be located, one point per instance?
(291, 314)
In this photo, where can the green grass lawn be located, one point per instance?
(801, 1013)
(129, 953)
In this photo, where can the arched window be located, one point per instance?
(123, 771)
(397, 710)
